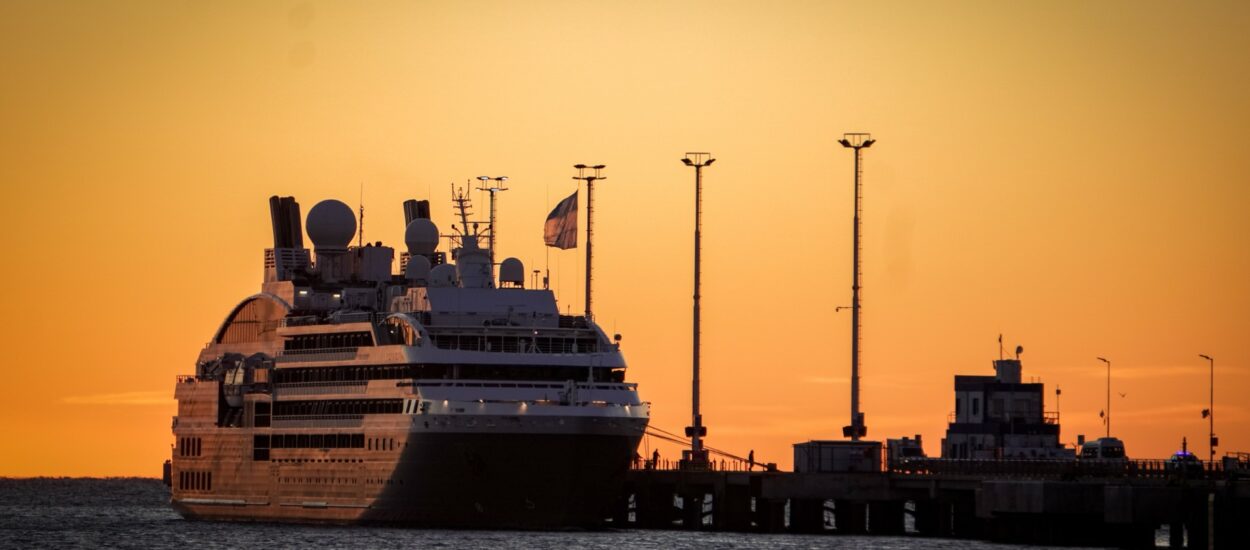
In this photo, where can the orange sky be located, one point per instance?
(1072, 175)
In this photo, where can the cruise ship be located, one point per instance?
(442, 395)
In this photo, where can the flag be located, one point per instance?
(560, 230)
(1206, 413)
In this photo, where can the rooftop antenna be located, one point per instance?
(697, 431)
(590, 180)
(1000, 347)
(1210, 412)
(857, 429)
(360, 237)
(461, 199)
(1108, 417)
(486, 186)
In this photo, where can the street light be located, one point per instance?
(1108, 394)
(590, 180)
(1210, 412)
(857, 429)
(696, 431)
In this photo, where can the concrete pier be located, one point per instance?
(1024, 508)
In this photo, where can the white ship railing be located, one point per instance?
(629, 386)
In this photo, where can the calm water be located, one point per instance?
(133, 513)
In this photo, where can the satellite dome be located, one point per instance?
(418, 269)
(421, 237)
(443, 275)
(511, 270)
(331, 224)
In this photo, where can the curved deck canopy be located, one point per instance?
(255, 319)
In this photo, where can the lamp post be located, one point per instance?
(697, 431)
(590, 180)
(1108, 394)
(486, 186)
(857, 429)
(1211, 407)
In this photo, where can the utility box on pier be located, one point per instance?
(837, 456)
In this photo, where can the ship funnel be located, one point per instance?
(284, 215)
(414, 209)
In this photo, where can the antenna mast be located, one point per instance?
(590, 216)
(360, 238)
(498, 186)
(463, 204)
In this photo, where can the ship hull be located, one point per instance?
(461, 480)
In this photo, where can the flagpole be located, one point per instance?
(590, 216)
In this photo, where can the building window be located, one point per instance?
(976, 406)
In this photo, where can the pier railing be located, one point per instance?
(664, 464)
(1057, 468)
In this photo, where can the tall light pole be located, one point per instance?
(1108, 394)
(590, 180)
(1211, 407)
(857, 429)
(696, 431)
(498, 186)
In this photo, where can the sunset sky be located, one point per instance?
(1072, 175)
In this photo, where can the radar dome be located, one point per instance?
(421, 236)
(511, 270)
(331, 224)
(418, 269)
(443, 275)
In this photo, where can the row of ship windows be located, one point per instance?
(339, 480)
(380, 444)
(309, 441)
(332, 340)
(446, 372)
(515, 344)
(189, 446)
(335, 407)
(261, 444)
(318, 460)
(195, 481)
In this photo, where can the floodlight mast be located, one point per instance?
(857, 429)
(498, 186)
(590, 180)
(697, 457)
(1212, 441)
